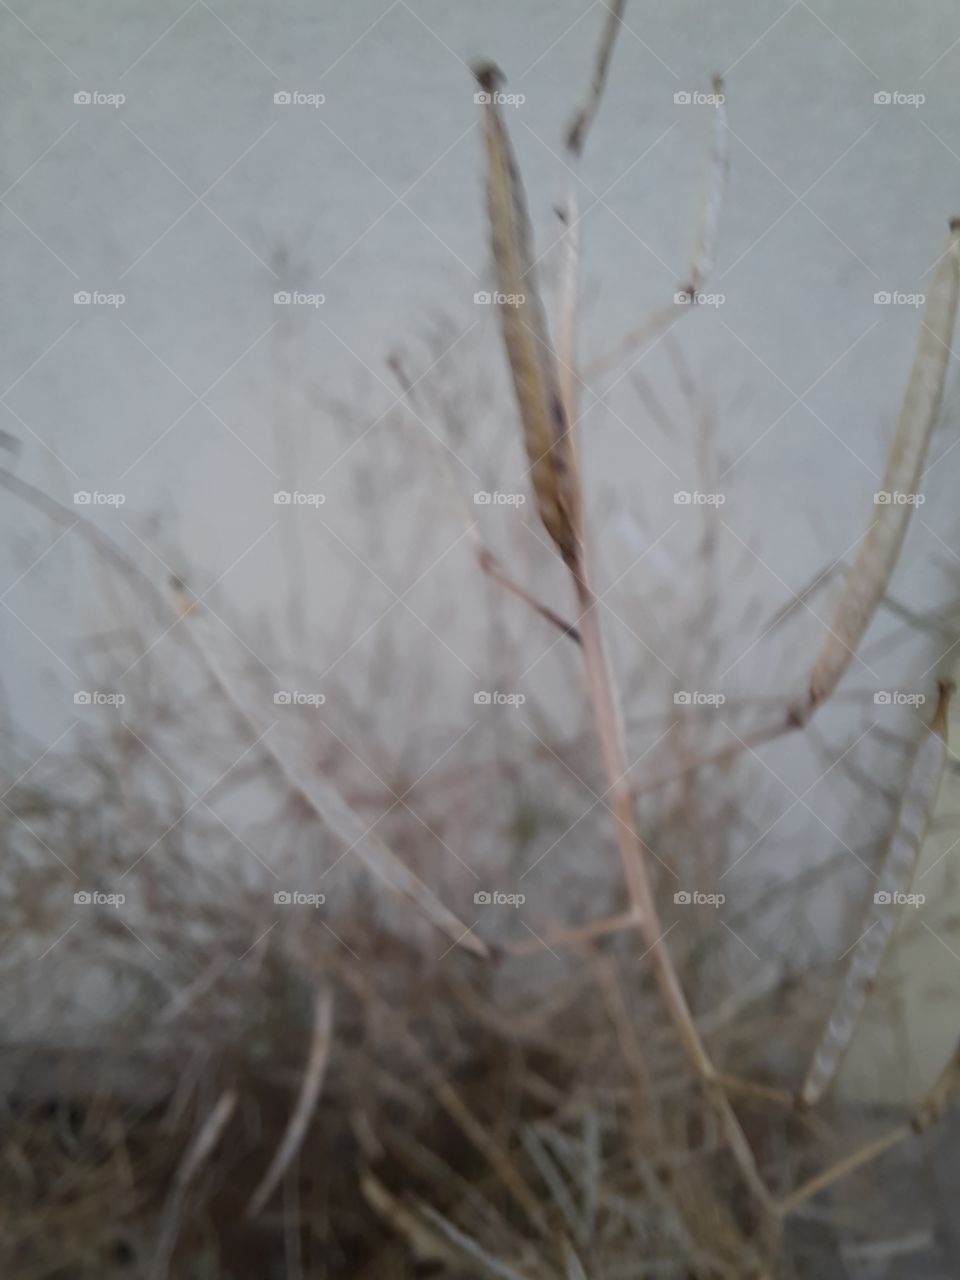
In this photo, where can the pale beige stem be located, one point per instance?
(494, 569)
(490, 563)
(929, 1111)
(577, 133)
(632, 849)
(704, 253)
(575, 935)
(311, 1085)
(840, 1170)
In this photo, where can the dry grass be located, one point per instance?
(206, 1082)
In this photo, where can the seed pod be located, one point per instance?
(918, 416)
(896, 875)
(533, 364)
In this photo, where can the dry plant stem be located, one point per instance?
(929, 1111)
(491, 565)
(711, 211)
(609, 727)
(656, 325)
(306, 1102)
(569, 301)
(575, 935)
(327, 803)
(723, 755)
(881, 918)
(471, 1249)
(197, 1153)
(577, 133)
(688, 764)
(424, 1244)
(495, 570)
(701, 265)
(632, 853)
(570, 381)
(864, 1155)
(319, 796)
(473, 1130)
(761, 1092)
(549, 440)
(880, 549)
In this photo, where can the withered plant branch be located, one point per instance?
(473, 1129)
(929, 1111)
(661, 320)
(319, 795)
(547, 415)
(579, 127)
(488, 561)
(310, 1087)
(197, 1154)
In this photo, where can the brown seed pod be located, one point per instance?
(533, 363)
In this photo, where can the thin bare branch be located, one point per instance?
(551, 449)
(579, 127)
(929, 1111)
(310, 1087)
(318, 794)
(704, 253)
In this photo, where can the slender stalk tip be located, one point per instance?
(938, 724)
(489, 76)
